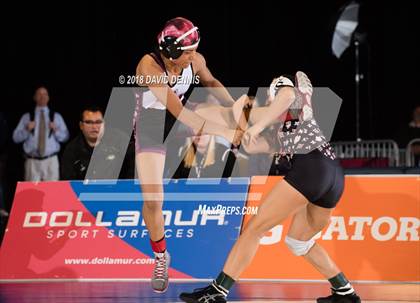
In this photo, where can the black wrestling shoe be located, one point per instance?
(203, 295)
(334, 298)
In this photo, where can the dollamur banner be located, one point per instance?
(96, 231)
(66, 230)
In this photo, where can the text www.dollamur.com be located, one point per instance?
(109, 261)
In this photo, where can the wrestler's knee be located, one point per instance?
(152, 206)
(256, 229)
(317, 222)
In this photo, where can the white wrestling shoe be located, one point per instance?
(160, 278)
(304, 87)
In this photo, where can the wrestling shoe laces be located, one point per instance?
(160, 272)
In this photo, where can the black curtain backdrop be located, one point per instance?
(79, 48)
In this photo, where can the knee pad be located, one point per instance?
(297, 247)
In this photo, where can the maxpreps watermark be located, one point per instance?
(220, 209)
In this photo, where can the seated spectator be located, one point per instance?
(414, 133)
(41, 131)
(77, 154)
(414, 124)
(409, 132)
(203, 157)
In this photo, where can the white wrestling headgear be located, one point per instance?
(277, 83)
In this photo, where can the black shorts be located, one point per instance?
(149, 131)
(317, 177)
(152, 129)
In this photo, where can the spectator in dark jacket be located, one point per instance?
(78, 153)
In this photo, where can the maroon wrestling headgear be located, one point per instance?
(178, 34)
